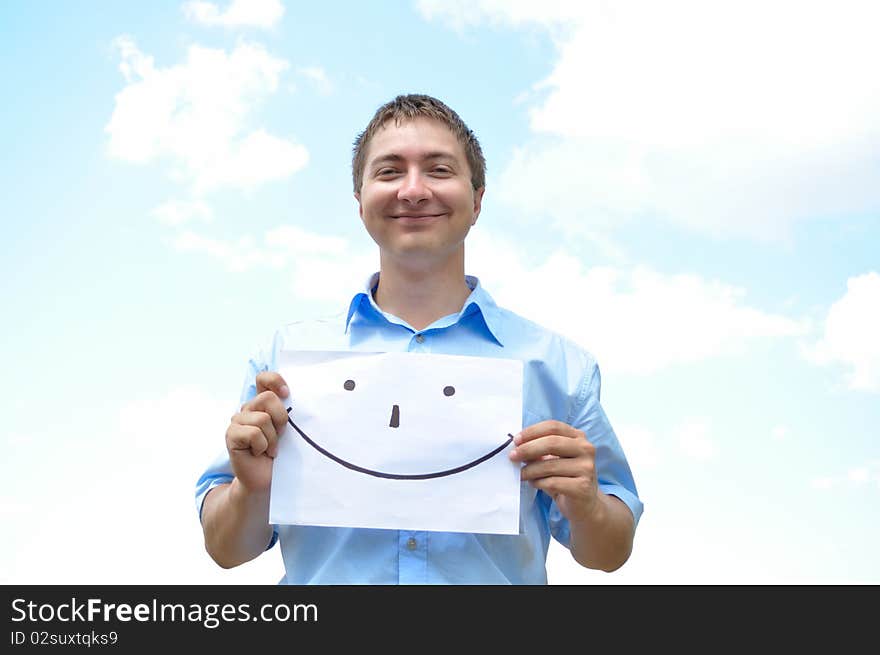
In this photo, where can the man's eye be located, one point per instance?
(386, 172)
(442, 170)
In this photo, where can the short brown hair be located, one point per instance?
(409, 107)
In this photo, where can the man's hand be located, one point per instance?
(253, 432)
(560, 461)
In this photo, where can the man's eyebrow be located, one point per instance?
(394, 157)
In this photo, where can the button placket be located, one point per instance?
(413, 557)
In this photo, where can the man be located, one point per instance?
(419, 178)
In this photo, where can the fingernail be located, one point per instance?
(284, 391)
(517, 438)
(513, 454)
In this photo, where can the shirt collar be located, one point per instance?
(478, 302)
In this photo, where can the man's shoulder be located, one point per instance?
(525, 333)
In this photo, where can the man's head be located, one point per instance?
(417, 191)
(407, 108)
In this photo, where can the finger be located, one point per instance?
(546, 428)
(552, 445)
(556, 485)
(563, 467)
(272, 381)
(240, 438)
(269, 403)
(265, 422)
(261, 420)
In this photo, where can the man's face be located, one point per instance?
(416, 200)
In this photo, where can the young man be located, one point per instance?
(419, 178)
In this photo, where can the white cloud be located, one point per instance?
(695, 441)
(856, 477)
(197, 116)
(323, 268)
(672, 549)
(178, 212)
(460, 14)
(127, 511)
(641, 447)
(318, 77)
(859, 475)
(239, 13)
(17, 440)
(238, 256)
(280, 246)
(10, 507)
(296, 241)
(164, 443)
(780, 433)
(334, 279)
(633, 320)
(739, 119)
(851, 333)
(823, 483)
(586, 186)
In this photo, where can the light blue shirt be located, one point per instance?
(560, 381)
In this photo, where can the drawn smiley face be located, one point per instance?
(447, 391)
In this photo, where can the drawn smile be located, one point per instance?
(397, 476)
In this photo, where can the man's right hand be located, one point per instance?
(253, 432)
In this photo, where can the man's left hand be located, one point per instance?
(560, 461)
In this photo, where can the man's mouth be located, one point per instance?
(416, 217)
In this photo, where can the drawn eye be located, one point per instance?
(448, 391)
(349, 385)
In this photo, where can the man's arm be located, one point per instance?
(560, 461)
(235, 516)
(605, 540)
(236, 524)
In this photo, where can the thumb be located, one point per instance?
(271, 381)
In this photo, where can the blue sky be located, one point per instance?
(689, 190)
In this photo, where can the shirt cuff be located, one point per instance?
(200, 503)
(629, 499)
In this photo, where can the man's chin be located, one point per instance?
(419, 250)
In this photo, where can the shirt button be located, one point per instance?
(411, 543)
(420, 338)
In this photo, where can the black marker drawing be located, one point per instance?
(395, 422)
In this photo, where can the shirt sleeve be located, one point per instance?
(614, 475)
(220, 471)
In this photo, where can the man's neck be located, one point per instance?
(422, 295)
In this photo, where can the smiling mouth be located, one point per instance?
(398, 476)
(417, 217)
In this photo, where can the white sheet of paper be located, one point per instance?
(370, 465)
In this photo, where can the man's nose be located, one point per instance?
(413, 188)
(395, 417)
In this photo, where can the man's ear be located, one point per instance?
(357, 196)
(478, 203)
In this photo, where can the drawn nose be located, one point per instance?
(395, 417)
